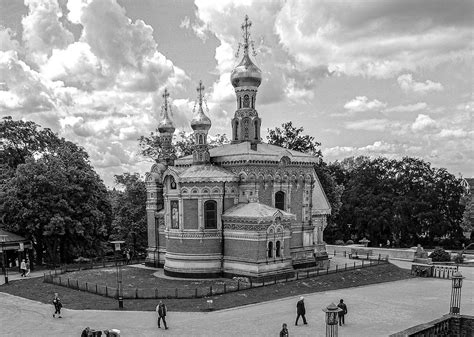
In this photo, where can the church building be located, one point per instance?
(242, 209)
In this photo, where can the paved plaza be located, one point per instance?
(375, 310)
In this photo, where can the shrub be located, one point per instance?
(459, 258)
(440, 255)
(339, 243)
(349, 242)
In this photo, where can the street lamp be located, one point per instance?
(119, 273)
(455, 306)
(3, 239)
(331, 311)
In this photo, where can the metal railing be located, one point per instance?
(57, 277)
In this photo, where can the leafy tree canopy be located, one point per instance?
(129, 211)
(53, 196)
(291, 137)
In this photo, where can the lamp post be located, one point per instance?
(3, 238)
(455, 305)
(119, 273)
(331, 311)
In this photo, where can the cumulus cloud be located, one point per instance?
(408, 108)
(7, 40)
(43, 31)
(362, 103)
(26, 88)
(375, 38)
(424, 123)
(371, 124)
(408, 84)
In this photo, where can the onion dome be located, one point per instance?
(246, 73)
(166, 125)
(200, 121)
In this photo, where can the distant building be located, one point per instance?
(245, 208)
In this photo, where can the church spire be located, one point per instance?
(201, 125)
(166, 129)
(246, 77)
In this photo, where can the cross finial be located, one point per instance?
(200, 90)
(165, 96)
(246, 32)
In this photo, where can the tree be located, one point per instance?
(291, 138)
(183, 143)
(405, 201)
(129, 209)
(55, 198)
(20, 140)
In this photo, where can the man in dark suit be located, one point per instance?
(343, 311)
(300, 311)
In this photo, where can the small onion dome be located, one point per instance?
(200, 121)
(246, 74)
(166, 124)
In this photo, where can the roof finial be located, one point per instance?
(200, 90)
(247, 40)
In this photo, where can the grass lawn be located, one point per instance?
(35, 289)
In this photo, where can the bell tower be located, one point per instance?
(166, 129)
(200, 125)
(246, 78)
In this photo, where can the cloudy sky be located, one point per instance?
(385, 77)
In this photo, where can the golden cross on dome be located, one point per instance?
(200, 90)
(246, 32)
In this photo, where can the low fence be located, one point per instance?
(407, 254)
(448, 325)
(361, 254)
(57, 277)
(428, 270)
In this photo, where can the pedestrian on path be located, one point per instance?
(161, 310)
(23, 268)
(28, 268)
(300, 311)
(57, 305)
(343, 311)
(284, 331)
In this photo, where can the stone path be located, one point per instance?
(375, 310)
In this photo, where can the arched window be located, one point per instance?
(210, 214)
(253, 102)
(201, 139)
(236, 130)
(270, 249)
(246, 101)
(280, 200)
(172, 183)
(256, 129)
(278, 249)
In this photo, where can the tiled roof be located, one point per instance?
(256, 210)
(206, 173)
(11, 237)
(243, 151)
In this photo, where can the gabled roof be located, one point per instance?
(257, 211)
(11, 237)
(205, 173)
(243, 151)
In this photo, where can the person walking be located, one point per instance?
(284, 331)
(23, 268)
(300, 311)
(343, 311)
(28, 268)
(161, 310)
(57, 305)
